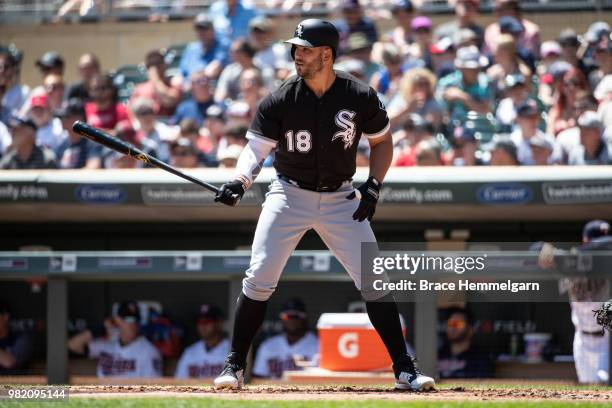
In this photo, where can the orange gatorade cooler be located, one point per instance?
(349, 342)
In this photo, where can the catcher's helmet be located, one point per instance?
(315, 33)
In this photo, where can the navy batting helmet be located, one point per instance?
(315, 33)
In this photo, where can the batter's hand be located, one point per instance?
(368, 193)
(230, 193)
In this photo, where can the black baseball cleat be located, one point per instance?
(232, 376)
(409, 377)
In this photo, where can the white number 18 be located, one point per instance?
(302, 141)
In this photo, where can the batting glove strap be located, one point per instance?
(230, 193)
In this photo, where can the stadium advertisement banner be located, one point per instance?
(392, 193)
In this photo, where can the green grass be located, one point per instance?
(134, 402)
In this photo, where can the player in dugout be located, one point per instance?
(118, 346)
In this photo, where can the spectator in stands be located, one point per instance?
(16, 349)
(252, 89)
(550, 52)
(594, 148)
(428, 153)
(55, 91)
(466, 12)
(530, 37)
(88, 68)
(5, 136)
(541, 150)
(418, 52)
(50, 132)
(148, 127)
(238, 114)
(25, 154)
(401, 35)
(183, 153)
(208, 53)
(15, 94)
(416, 95)
(570, 43)
(562, 115)
(512, 26)
(276, 354)
(5, 113)
(603, 58)
(104, 111)
(603, 93)
(76, 152)
(387, 80)
(528, 118)
(516, 90)
(507, 63)
(228, 86)
(443, 57)
(354, 21)
(269, 54)
(125, 354)
(232, 17)
(51, 63)
(200, 100)
(503, 152)
(457, 357)
(359, 47)
(463, 148)
(206, 357)
(159, 87)
(465, 37)
(124, 131)
(234, 134)
(415, 129)
(213, 127)
(228, 157)
(203, 144)
(466, 89)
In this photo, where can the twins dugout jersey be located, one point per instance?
(196, 361)
(316, 138)
(275, 354)
(138, 359)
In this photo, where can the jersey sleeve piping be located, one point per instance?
(378, 134)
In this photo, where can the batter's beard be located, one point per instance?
(309, 71)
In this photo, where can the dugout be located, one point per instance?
(154, 222)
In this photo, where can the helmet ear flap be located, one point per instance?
(293, 52)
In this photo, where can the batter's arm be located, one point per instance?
(252, 157)
(381, 154)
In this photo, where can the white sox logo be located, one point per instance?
(344, 120)
(299, 31)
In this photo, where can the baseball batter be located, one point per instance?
(313, 123)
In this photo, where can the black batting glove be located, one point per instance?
(369, 197)
(230, 193)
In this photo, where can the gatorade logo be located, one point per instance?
(347, 345)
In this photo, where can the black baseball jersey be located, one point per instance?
(316, 138)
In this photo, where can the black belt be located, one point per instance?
(320, 188)
(596, 333)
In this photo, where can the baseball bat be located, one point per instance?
(122, 147)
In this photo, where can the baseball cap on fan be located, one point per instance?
(128, 310)
(595, 229)
(293, 309)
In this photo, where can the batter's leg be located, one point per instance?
(286, 216)
(343, 236)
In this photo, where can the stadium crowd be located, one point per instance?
(456, 94)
